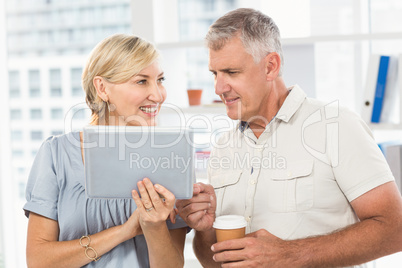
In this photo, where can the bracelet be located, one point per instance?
(88, 248)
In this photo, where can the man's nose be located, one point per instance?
(221, 85)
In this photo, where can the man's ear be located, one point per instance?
(100, 85)
(272, 65)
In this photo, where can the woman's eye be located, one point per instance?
(142, 82)
(161, 80)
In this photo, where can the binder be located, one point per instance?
(370, 87)
(380, 89)
(389, 113)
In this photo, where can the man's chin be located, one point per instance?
(233, 116)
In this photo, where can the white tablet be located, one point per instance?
(116, 158)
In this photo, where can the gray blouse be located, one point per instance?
(56, 190)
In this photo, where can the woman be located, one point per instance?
(124, 86)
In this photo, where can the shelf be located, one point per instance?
(297, 40)
(202, 109)
(385, 126)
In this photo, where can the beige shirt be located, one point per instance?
(299, 177)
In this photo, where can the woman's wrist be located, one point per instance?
(154, 227)
(127, 232)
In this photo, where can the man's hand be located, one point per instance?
(258, 249)
(199, 211)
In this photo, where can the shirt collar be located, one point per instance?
(291, 104)
(289, 107)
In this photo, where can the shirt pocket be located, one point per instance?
(291, 189)
(225, 185)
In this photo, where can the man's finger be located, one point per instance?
(229, 256)
(200, 198)
(233, 244)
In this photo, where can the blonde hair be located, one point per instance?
(116, 59)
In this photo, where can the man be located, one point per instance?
(307, 176)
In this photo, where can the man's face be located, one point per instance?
(239, 81)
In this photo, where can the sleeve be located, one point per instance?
(42, 188)
(360, 166)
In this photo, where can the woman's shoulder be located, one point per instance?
(61, 146)
(65, 140)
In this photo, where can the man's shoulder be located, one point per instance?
(328, 109)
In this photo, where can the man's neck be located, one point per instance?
(277, 98)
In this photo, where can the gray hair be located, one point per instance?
(257, 31)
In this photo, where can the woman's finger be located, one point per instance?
(144, 195)
(172, 215)
(170, 199)
(137, 200)
(154, 196)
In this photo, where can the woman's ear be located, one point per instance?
(273, 66)
(100, 86)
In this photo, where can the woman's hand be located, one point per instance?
(132, 226)
(155, 205)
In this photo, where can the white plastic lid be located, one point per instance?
(229, 222)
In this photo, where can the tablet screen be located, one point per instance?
(116, 158)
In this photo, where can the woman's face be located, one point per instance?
(137, 101)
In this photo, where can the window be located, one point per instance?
(80, 113)
(14, 84)
(57, 132)
(36, 114)
(17, 153)
(34, 152)
(195, 16)
(56, 113)
(76, 89)
(21, 189)
(16, 135)
(386, 16)
(55, 83)
(15, 114)
(36, 135)
(21, 170)
(34, 83)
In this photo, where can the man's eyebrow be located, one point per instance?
(229, 70)
(226, 70)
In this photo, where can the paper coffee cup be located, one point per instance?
(229, 227)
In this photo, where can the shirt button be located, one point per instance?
(248, 219)
(253, 182)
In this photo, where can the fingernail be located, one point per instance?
(211, 197)
(213, 249)
(205, 211)
(209, 204)
(157, 186)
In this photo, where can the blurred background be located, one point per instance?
(44, 45)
